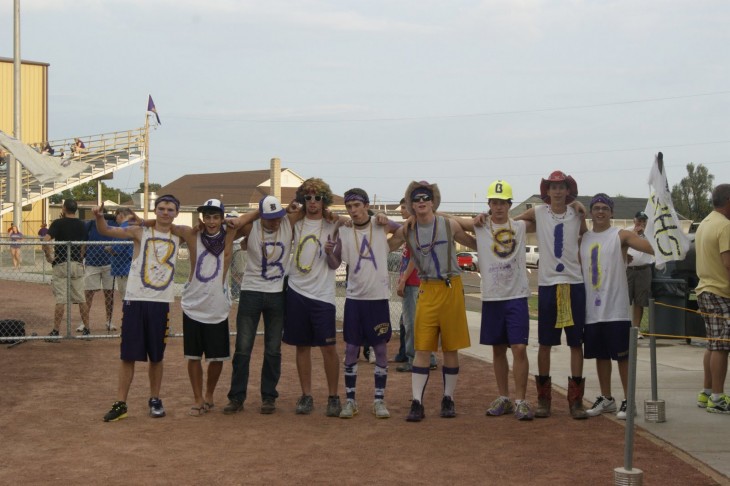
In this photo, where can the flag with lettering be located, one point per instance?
(663, 230)
(151, 107)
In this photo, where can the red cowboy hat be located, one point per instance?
(558, 176)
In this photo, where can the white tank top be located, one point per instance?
(501, 249)
(366, 253)
(151, 273)
(607, 292)
(309, 274)
(268, 258)
(558, 237)
(205, 298)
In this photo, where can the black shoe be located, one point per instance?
(53, 337)
(268, 406)
(234, 406)
(400, 358)
(118, 412)
(417, 412)
(448, 410)
(405, 367)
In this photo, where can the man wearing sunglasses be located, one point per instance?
(310, 298)
(440, 311)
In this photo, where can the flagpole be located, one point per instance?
(146, 194)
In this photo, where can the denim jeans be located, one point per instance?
(251, 306)
(410, 294)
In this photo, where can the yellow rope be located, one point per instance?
(695, 312)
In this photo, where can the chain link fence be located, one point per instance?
(33, 278)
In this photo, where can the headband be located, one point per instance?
(168, 198)
(422, 190)
(357, 197)
(602, 198)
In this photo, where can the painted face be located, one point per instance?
(271, 225)
(358, 211)
(166, 211)
(212, 222)
(499, 209)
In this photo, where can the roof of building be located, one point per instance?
(624, 207)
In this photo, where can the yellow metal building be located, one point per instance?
(34, 124)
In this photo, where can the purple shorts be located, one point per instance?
(547, 314)
(366, 321)
(144, 330)
(505, 322)
(607, 340)
(308, 322)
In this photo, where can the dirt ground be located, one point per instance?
(54, 396)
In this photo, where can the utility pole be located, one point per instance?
(15, 172)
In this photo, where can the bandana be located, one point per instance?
(215, 244)
(602, 198)
(357, 197)
(168, 198)
(422, 190)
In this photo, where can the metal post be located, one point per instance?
(627, 475)
(652, 349)
(15, 172)
(68, 289)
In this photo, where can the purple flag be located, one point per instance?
(151, 107)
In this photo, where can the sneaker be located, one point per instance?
(349, 410)
(404, 368)
(305, 405)
(52, 335)
(86, 333)
(81, 328)
(268, 406)
(720, 406)
(602, 405)
(702, 399)
(621, 414)
(110, 327)
(333, 406)
(500, 406)
(448, 410)
(233, 406)
(371, 356)
(524, 411)
(417, 412)
(380, 410)
(400, 358)
(156, 408)
(118, 412)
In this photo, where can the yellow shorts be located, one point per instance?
(60, 283)
(440, 311)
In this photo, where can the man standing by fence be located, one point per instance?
(67, 266)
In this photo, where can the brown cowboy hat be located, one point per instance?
(431, 187)
(558, 176)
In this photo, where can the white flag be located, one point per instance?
(662, 229)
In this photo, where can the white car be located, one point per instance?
(532, 255)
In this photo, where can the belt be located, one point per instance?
(639, 267)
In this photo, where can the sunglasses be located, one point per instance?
(309, 197)
(421, 198)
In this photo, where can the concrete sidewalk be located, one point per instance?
(702, 435)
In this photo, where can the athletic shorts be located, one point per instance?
(505, 322)
(61, 276)
(639, 285)
(366, 322)
(144, 330)
(98, 278)
(607, 340)
(210, 339)
(716, 311)
(440, 311)
(547, 314)
(308, 322)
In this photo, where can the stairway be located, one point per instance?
(105, 154)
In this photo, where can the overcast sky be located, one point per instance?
(374, 94)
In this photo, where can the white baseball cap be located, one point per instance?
(270, 208)
(212, 204)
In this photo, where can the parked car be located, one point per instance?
(532, 255)
(468, 260)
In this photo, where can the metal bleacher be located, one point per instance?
(104, 154)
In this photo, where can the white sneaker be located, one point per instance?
(371, 358)
(350, 409)
(81, 328)
(110, 327)
(380, 410)
(621, 414)
(601, 405)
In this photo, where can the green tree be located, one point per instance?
(692, 196)
(152, 187)
(87, 192)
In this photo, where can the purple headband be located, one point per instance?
(168, 198)
(602, 198)
(357, 197)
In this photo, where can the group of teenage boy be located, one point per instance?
(289, 280)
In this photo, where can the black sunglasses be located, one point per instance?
(309, 197)
(422, 198)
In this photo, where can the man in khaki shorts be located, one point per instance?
(67, 267)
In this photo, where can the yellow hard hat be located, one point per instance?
(499, 190)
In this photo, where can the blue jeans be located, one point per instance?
(250, 308)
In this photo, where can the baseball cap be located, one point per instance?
(641, 215)
(270, 208)
(212, 204)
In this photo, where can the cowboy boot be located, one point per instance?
(544, 396)
(576, 387)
